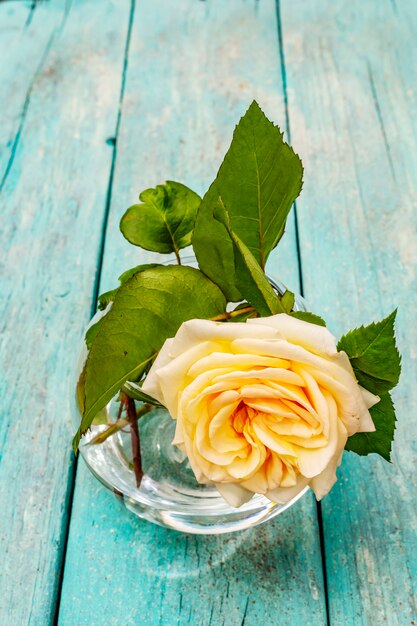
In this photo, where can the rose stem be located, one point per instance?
(120, 411)
(111, 430)
(118, 425)
(227, 316)
(134, 435)
(177, 254)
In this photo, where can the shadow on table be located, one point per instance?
(272, 550)
(158, 576)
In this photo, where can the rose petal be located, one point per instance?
(310, 462)
(234, 494)
(322, 484)
(284, 495)
(195, 332)
(311, 336)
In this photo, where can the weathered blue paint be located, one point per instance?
(61, 87)
(121, 570)
(167, 82)
(191, 73)
(351, 79)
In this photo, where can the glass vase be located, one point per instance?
(169, 494)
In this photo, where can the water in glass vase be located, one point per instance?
(169, 493)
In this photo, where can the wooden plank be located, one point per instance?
(351, 82)
(193, 68)
(122, 571)
(24, 47)
(52, 206)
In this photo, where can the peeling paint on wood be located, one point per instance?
(351, 80)
(191, 73)
(105, 98)
(61, 88)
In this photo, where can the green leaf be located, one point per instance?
(287, 301)
(134, 270)
(374, 355)
(306, 316)
(148, 308)
(137, 394)
(164, 221)
(80, 392)
(380, 441)
(250, 277)
(258, 181)
(101, 417)
(92, 332)
(105, 298)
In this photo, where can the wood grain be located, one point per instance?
(193, 68)
(101, 99)
(68, 74)
(351, 80)
(122, 570)
(24, 48)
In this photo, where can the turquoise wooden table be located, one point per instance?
(103, 98)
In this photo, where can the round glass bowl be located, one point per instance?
(169, 494)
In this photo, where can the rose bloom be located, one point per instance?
(262, 407)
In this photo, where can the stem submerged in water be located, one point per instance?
(112, 429)
(131, 420)
(134, 434)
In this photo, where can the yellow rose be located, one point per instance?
(261, 407)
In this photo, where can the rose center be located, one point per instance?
(241, 415)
